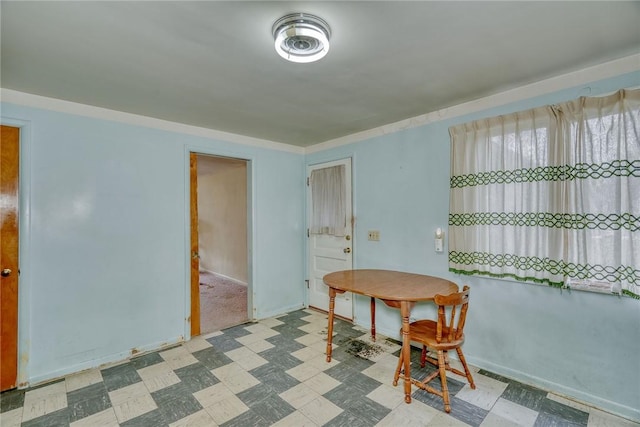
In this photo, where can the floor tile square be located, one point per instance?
(212, 358)
(416, 414)
(198, 419)
(271, 322)
(196, 377)
(106, 418)
(320, 410)
(223, 343)
(226, 409)
(388, 396)
(272, 409)
(44, 400)
(299, 395)
(55, 418)
(235, 377)
(527, 396)
(145, 360)
(158, 376)
(487, 392)
(151, 418)
(465, 412)
(247, 418)
(120, 376)
(196, 344)
(296, 419)
(88, 401)
(493, 420)
(131, 401)
(310, 339)
(11, 418)
(210, 395)
(181, 406)
(83, 379)
(237, 331)
(514, 413)
(283, 359)
(598, 418)
(322, 383)
(305, 354)
(12, 399)
(563, 412)
(277, 379)
(246, 358)
(178, 357)
(259, 345)
(303, 372)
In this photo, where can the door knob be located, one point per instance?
(347, 250)
(6, 272)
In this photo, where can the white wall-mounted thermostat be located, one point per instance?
(439, 240)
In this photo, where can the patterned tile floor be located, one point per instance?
(274, 372)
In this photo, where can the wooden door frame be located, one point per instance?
(24, 230)
(190, 305)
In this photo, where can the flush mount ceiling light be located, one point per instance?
(300, 37)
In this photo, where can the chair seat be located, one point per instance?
(425, 332)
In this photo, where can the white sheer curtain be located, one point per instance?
(602, 141)
(550, 194)
(328, 198)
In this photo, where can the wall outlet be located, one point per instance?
(374, 235)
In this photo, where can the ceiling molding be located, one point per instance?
(565, 81)
(585, 76)
(61, 106)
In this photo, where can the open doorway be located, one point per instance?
(222, 249)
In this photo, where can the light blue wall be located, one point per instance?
(105, 237)
(583, 345)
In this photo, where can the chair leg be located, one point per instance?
(443, 381)
(423, 358)
(466, 368)
(397, 373)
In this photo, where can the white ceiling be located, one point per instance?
(212, 64)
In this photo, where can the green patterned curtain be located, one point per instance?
(550, 195)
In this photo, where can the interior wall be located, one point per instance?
(578, 344)
(222, 216)
(105, 260)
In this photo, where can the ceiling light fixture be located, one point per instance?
(301, 37)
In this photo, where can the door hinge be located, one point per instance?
(308, 234)
(307, 181)
(307, 282)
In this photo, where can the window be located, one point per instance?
(550, 195)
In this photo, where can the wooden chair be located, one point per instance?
(444, 335)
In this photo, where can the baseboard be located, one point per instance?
(239, 282)
(99, 363)
(280, 312)
(559, 389)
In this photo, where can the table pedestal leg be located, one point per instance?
(405, 309)
(373, 319)
(332, 304)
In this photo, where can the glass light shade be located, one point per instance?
(301, 38)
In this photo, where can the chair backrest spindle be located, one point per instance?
(451, 328)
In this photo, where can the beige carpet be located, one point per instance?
(223, 302)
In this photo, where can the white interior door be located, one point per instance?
(331, 253)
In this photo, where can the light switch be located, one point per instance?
(374, 235)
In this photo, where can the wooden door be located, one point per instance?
(331, 253)
(9, 174)
(195, 258)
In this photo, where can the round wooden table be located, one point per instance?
(396, 289)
